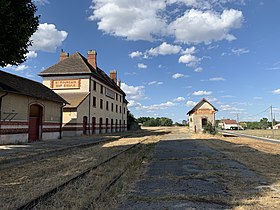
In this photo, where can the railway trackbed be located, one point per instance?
(38, 182)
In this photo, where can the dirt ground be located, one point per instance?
(172, 169)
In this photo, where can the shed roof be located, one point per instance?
(74, 99)
(15, 84)
(198, 105)
(77, 64)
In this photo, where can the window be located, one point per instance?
(120, 98)
(107, 105)
(101, 104)
(120, 109)
(124, 110)
(94, 85)
(94, 101)
(101, 89)
(116, 108)
(116, 96)
(112, 107)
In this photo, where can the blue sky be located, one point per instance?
(170, 54)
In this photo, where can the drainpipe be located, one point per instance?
(1, 97)
(61, 120)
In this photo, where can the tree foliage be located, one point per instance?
(148, 121)
(209, 128)
(18, 22)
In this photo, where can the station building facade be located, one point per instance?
(97, 103)
(29, 111)
(202, 113)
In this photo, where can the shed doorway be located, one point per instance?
(35, 122)
(204, 122)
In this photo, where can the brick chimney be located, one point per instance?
(92, 58)
(63, 55)
(113, 75)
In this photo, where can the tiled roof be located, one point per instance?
(196, 107)
(19, 85)
(74, 99)
(77, 64)
(227, 121)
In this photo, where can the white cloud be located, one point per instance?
(191, 103)
(135, 54)
(155, 83)
(197, 26)
(142, 66)
(240, 51)
(151, 19)
(277, 91)
(178, 75)
(133, 93)
(187, 59)
(199, 69)
(202, 93)
(227, 96)
(164, 49)
(31, 54)
(230, 108)
(258, 98)
(161, 106)
(41, 2)
(47, 38)
(17, 68)
(179, 99)
(132, 19)
(217, 79)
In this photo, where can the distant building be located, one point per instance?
(29, 111)
(184, 122)
(277, 126)
(97, 103)
(202, 113)
(227, 124)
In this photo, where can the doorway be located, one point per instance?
(93, 125)
(85, 125)
(35, 123)
(204, 122)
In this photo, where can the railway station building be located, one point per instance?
(202, 113)
(97, 104)
(29, 111)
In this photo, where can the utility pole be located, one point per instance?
(272, 121)
(237, 122)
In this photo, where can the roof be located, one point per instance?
(77, 64)
(74, 99)
(15, 84)
(197, 106)
(227, 121)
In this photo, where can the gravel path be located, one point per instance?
(185, 174)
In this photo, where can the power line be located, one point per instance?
(260, 112)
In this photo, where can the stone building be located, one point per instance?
(97, 103)
(29, 111)
(202, 113)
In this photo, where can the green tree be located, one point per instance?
(263, 123)
(18, 22)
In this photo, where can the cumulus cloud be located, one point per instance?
(240, 51)
(132, 19)
(31, 54)
(150, 20)
(47, 38)
(202, 93)
(197, 26)
(199, 69)
(135, 54)
(188, 58)
(17, 68)
(161, 106)
(277, 91)
(191, 103)
(178, 75)
(164, 49)
(179, 99)
(142, 66)
(134, 93)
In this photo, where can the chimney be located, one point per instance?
(113, 75)
(119, 83)
(92, 58)
(63, 55)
